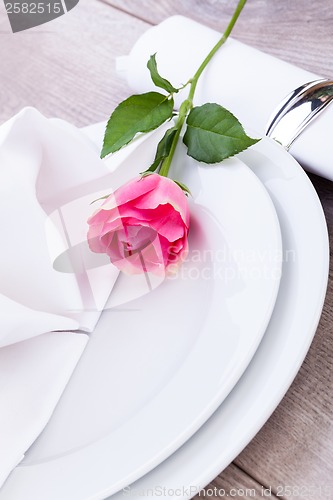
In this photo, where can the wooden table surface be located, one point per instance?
(66, 69)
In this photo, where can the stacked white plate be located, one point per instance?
(177, 379)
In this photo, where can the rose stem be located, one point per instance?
(187, 105)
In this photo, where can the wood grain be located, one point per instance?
(235, 483)
(67, 70)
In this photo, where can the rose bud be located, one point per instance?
(143, 226)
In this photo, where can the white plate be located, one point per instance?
(156, 368)
(284, 346)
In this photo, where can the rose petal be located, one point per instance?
(131, 190)
(143, 226)
(167, 191)
(171, 226)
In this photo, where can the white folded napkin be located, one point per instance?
(245, 80)
(33, 375)
(50, 283)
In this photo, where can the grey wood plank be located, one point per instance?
(299, 31)
(66, 68)
(235, 483)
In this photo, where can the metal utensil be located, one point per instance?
(298, 109)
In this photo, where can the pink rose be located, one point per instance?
(142, 226)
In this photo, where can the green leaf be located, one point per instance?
(213, 134)
(149, 170)
(138, 113)
(157, 78)
(163, 148)
(183, 187)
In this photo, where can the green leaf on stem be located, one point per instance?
(138, 113)
(163, 148)
(214, 134)
(157, 78)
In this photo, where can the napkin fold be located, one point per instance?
(33, 375)
(50, 283)
(245, 80)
